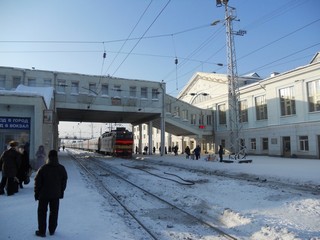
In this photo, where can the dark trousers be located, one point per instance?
(53, 216)
(9, 182)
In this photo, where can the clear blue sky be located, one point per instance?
(72, 36)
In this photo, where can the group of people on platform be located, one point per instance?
(15, 167)
(197, 151)
(50, 181)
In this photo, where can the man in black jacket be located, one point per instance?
(49, 185)
(10, 163)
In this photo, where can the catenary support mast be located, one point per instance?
(234, 120)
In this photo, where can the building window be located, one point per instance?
(104, 89)
(314, 95)
(2, 81)
(223, 143)
(177, 111)
(155, 94)
(209, 120)
(92, 89)
(265, 144)
(304, 143)
(144, 92)
(16, 81)
(61, 88)
(222, 114)
(243, 111)
(261, 108)
(253, 144)
(287, 101)
(31, 82)
(117, 90)
(47, 82)
(168, 107)
(75, 88)
(201, 119)
(133, 92)
(184, 114)
(193, 119)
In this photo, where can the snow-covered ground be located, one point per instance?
(85, 214)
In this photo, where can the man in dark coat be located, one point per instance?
(25, 167)
(187, 151)
(197, 151)
(50, 183)
(10, 162)
(220, 153)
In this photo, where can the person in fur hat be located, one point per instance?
(50, 183)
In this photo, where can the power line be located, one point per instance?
(129, 35)
(197, 50)
(106, 41)
(142, 36)
(283, 58)
(276, 13)
(287, 35)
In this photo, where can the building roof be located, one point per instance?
(45, 92)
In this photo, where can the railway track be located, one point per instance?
(157, 217)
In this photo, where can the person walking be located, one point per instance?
(40, 155)
(175, 150)
(187, 151)
(220, 153)
(50, 183)
(197, 151)
(24, 166)
(10, 162)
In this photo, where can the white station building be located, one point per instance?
(280, 115)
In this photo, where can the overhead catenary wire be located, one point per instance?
(286, 7)
(106, 41)
(176, 61)
(277, 60)
(142, 36)
(139, 20)
(278, 39)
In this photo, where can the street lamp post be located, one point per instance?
(195, 95)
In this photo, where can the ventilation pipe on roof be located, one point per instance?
(274, 74)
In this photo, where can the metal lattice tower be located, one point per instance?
(234, 125)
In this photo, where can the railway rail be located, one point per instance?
(169, 215)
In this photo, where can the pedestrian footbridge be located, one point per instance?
(47, 98)
(115, 100)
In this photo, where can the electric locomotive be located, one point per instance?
(118, 142)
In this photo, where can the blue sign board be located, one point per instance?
(16, 123)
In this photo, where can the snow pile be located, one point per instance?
(232, 219)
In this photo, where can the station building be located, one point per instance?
(280, 115)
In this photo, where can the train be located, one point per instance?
(118, 143)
